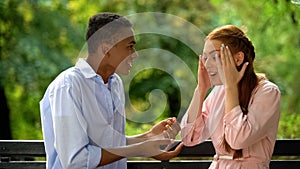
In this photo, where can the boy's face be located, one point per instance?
(123, 52)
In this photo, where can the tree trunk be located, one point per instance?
(5, 132)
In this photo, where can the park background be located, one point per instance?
(41, 38)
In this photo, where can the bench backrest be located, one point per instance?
(16, 154)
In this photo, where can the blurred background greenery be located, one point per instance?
(41, 38)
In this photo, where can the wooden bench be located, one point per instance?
(30, 154)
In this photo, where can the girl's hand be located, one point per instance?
(227, 69)
(203, 79)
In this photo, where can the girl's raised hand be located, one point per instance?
(227, 69)
(203, 79)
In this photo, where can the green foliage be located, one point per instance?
(34, 49)
(41, 38)
(289, 125)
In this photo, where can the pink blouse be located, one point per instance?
(255, 133)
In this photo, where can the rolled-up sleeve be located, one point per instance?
(241, 131)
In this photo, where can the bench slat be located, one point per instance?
(152, 165)
(23, 164)
(285, 164)
(204, 149)
(21, 149)
(168, 165)
(36, 148)
(288, 147)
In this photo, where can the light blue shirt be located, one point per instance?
(80, 115)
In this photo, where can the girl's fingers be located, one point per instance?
(223, 55)
(219, 63)
(244, 68)
(220, 68)
(201, 65)
(229, 56)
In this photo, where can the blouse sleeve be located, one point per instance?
(262, 119)
(196, 132)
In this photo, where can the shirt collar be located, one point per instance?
(88, 71)
(85, 68)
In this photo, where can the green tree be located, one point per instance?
(35, 47)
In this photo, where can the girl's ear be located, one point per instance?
(239, 58)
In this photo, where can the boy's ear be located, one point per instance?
(239, 58)
(103, 49)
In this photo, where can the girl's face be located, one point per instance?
(209, 58)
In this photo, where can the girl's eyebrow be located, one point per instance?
(213, 51)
